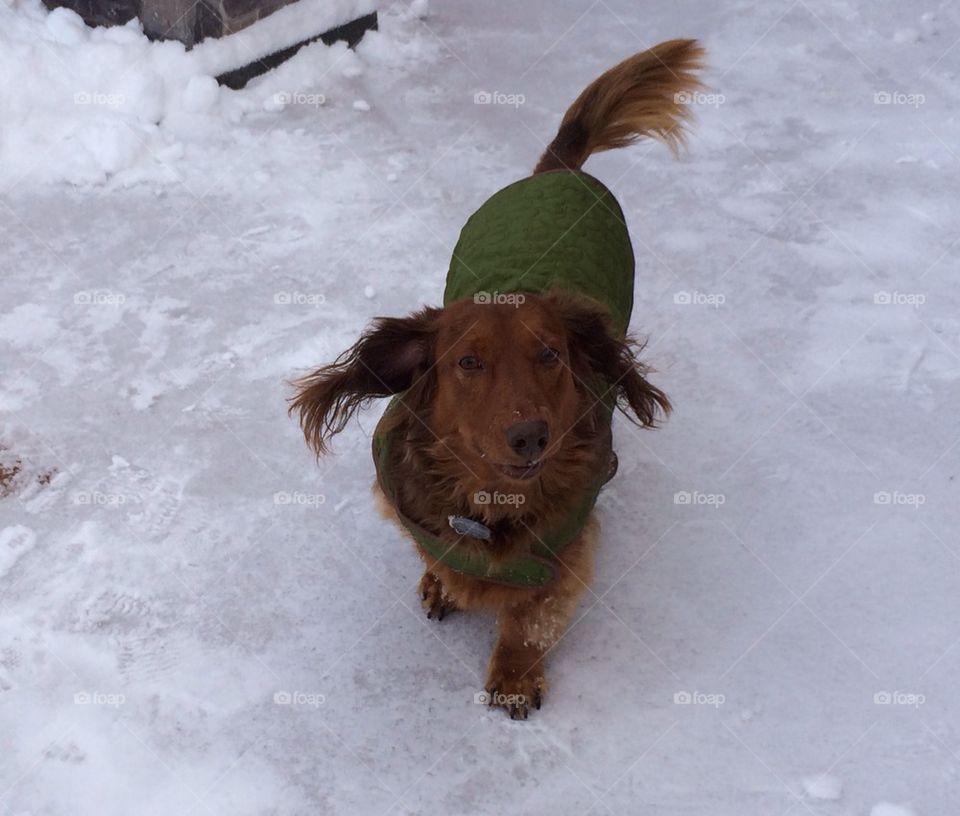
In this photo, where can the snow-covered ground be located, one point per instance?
(195, 617)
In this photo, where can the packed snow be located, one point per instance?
(198, 617)
(823, 786)
(887, 809)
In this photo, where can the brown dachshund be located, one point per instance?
(497, 440)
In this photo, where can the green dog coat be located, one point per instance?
(554, 231)
(557, 231)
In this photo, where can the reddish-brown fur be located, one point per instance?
(471, 372)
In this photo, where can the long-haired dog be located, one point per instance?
(497, 440)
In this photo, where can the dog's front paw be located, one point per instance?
(433, 599)
(514, 690)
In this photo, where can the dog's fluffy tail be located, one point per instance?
(647, 95)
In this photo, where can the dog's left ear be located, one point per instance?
(389, 357)
(595, 349)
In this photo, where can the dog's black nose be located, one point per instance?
(528, 438)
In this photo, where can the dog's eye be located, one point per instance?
(470, 363)
(549, 355)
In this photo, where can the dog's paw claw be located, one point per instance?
(433, 599)
(516, 695)
(518, 711)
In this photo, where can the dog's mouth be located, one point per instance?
(521, 472)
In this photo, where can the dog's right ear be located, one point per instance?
(599, 351)
(387, 359)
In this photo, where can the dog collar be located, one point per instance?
(539, 568)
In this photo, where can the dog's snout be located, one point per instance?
(528, 438)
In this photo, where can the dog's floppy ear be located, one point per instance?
(387, 359)
(595, 349)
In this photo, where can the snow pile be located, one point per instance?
(88, 105)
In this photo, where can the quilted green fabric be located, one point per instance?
(561, 230)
